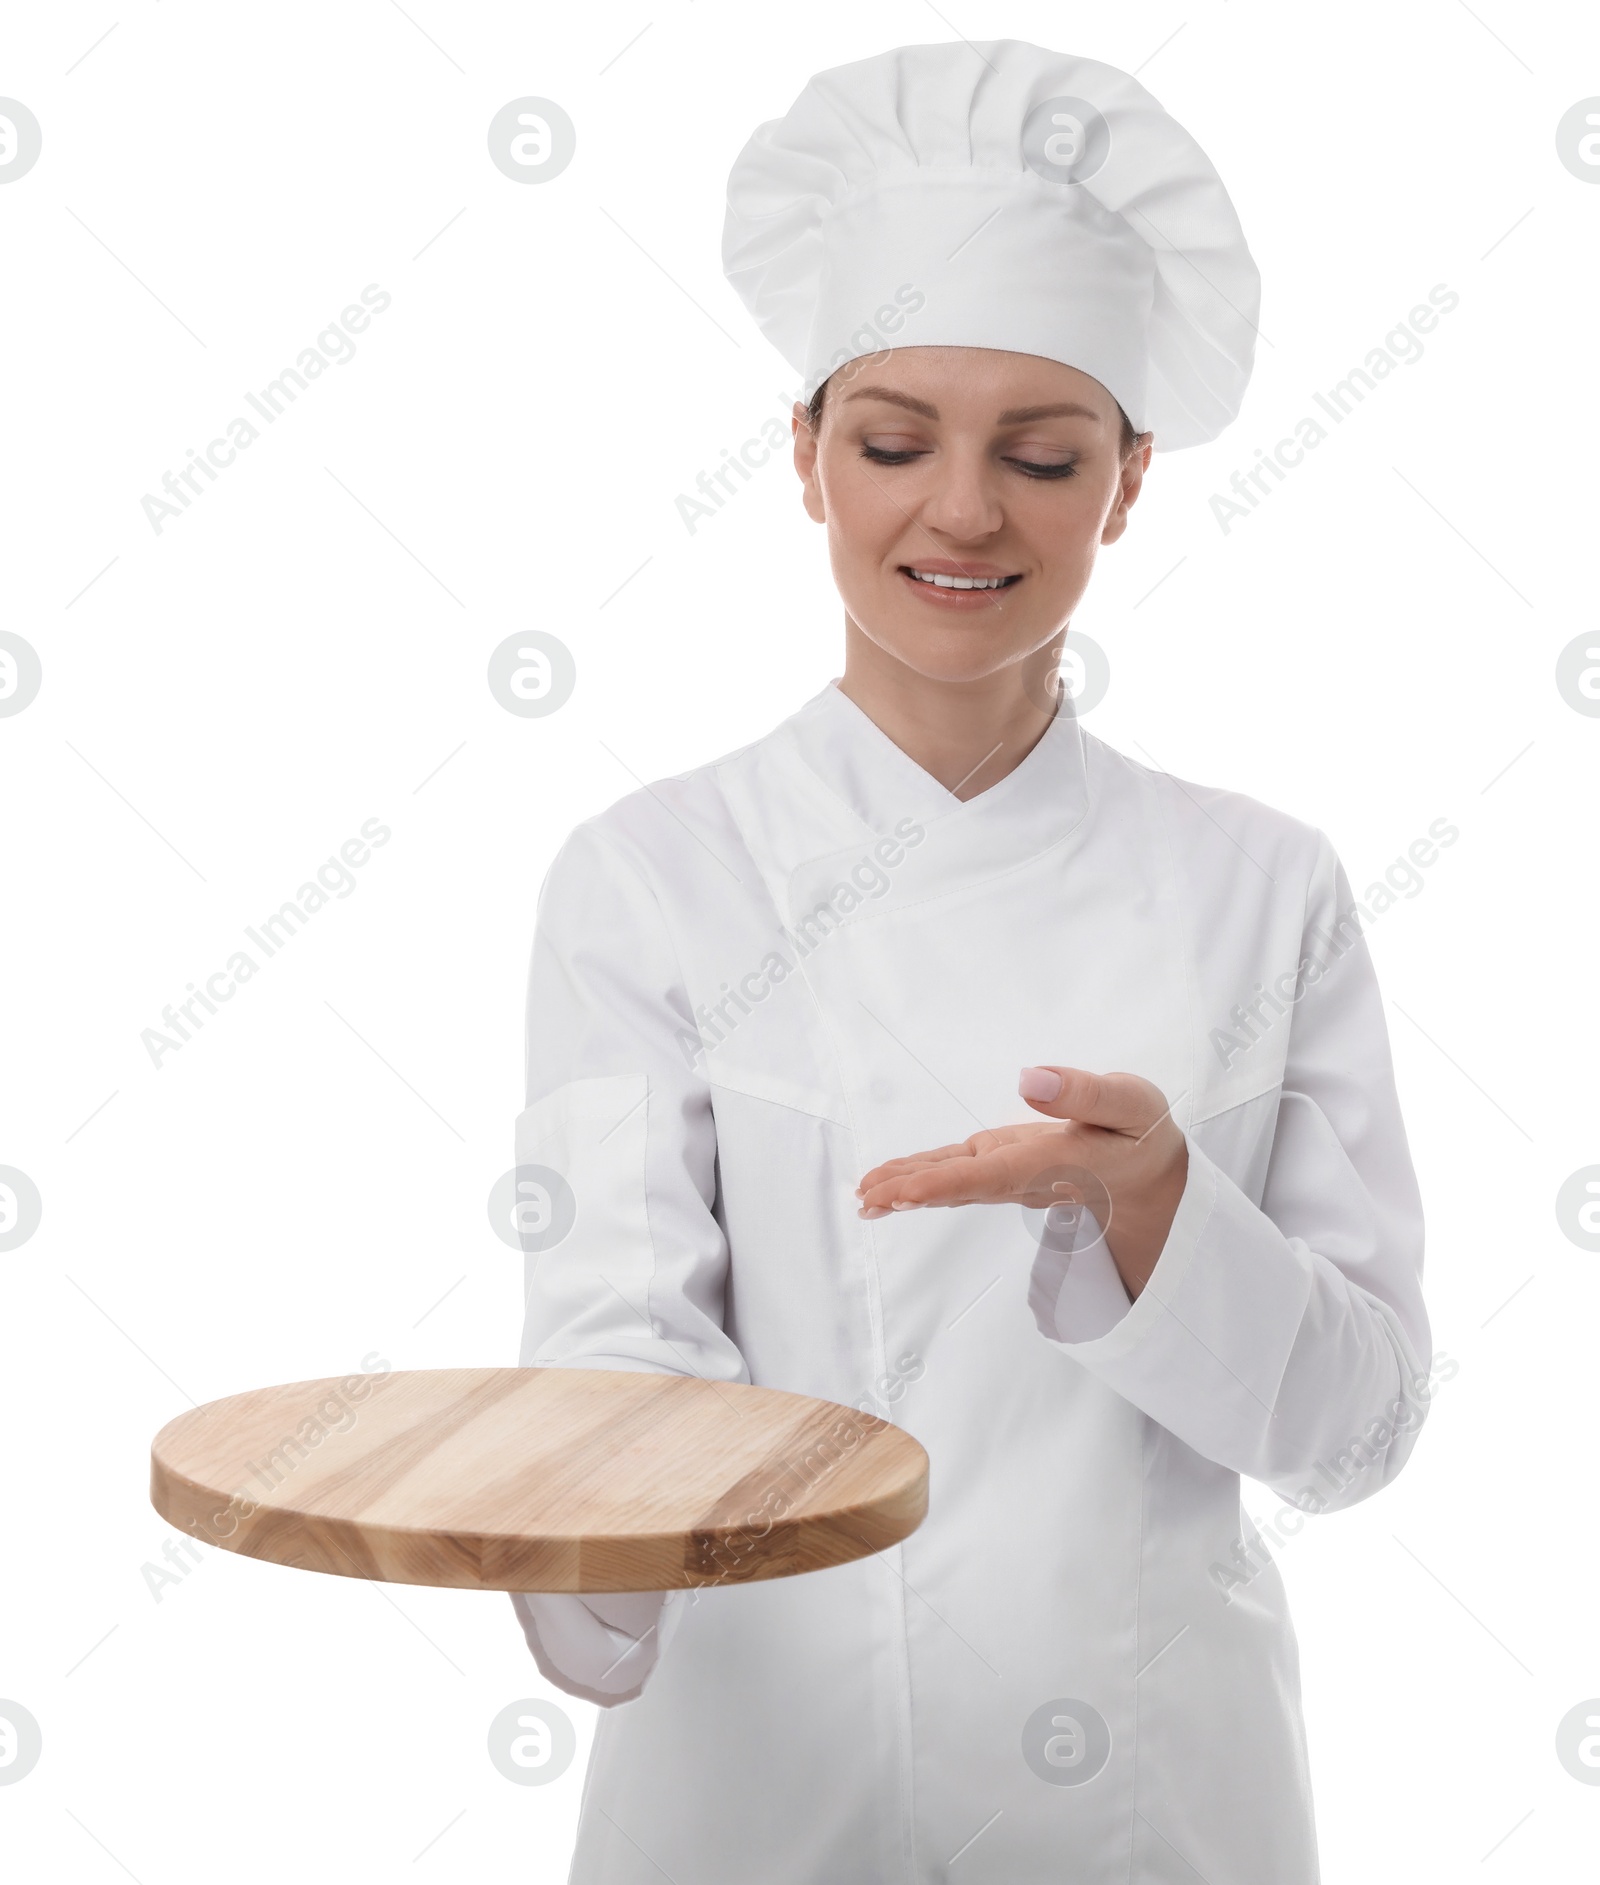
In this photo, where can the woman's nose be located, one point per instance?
(963, 500)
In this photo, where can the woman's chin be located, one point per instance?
(962, 652)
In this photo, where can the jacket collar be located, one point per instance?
(828, 787)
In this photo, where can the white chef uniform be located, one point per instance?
(752, 983)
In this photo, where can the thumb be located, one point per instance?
(1121, 1102)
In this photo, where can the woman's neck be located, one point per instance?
(967, 734)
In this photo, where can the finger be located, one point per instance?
(914, 1161)
(1121, 1102)
(911, 1194)
(950, 1181)
(996, 1177)
(979, 1142)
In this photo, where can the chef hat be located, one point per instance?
(998, 195)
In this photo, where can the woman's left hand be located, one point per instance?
(1116, 1149)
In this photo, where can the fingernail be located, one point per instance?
(1039, 1083)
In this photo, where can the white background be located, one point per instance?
(224, 703)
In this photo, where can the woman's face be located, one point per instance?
(971, 463)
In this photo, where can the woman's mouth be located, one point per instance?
(946, 590)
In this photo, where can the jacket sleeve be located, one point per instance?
(1285, 1339)
(600, 1648)
(625, 1264)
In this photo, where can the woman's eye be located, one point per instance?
(886, 455)
(1064, 470)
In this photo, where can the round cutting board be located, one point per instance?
(539, 1479)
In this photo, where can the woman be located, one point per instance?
(777, 1013)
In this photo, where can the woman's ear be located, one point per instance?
(1130, 483)
(805, 463)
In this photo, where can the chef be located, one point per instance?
(930, 1056)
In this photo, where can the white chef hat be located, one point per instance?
(998, 195)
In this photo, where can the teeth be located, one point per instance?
(961, 582)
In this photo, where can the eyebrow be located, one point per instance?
(1018, 415)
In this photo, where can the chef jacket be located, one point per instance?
(752, 983)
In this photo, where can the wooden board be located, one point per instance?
(556, 1479)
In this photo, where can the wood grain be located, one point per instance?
(553, 1479)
